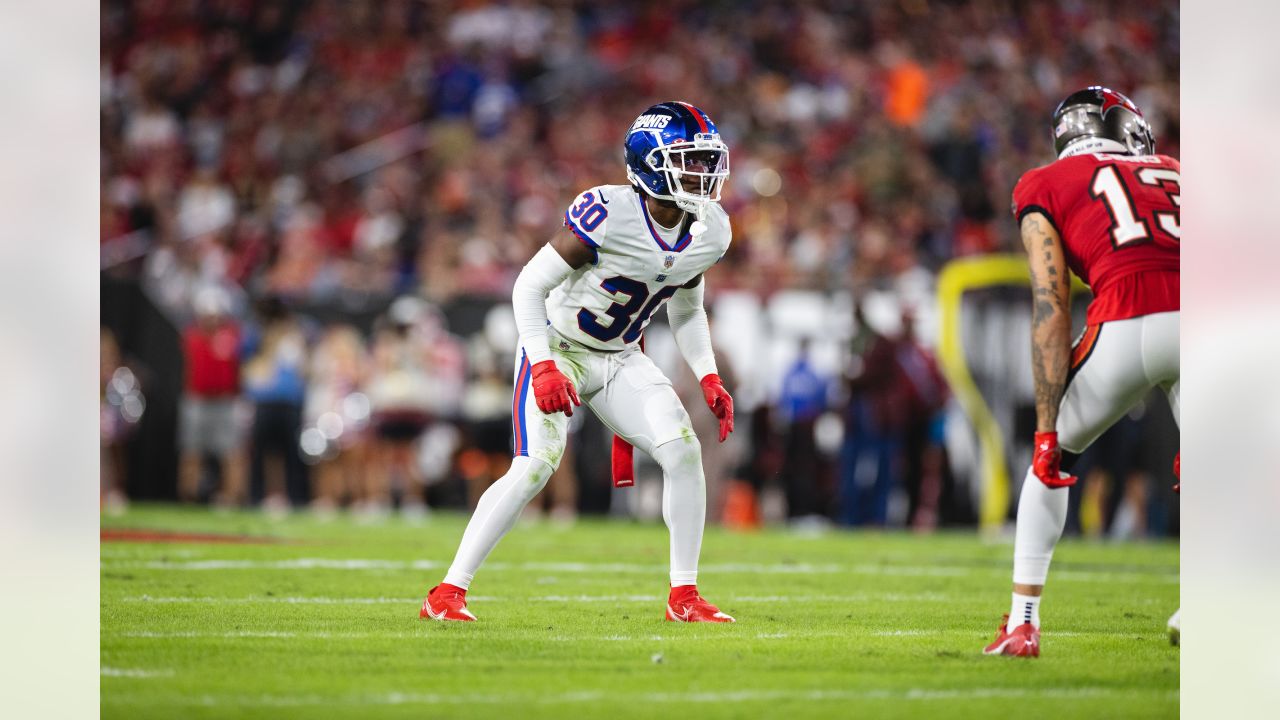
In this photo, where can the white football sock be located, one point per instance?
(1026, 609)
(1042, 513)
(499, 508)
(684, 505)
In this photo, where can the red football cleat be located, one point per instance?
(1024, 641)
(446, 602)
(684, 604)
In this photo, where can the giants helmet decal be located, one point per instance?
(673, 152)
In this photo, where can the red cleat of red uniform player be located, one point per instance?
(684, 604)
(446, 602)
(1024, 641)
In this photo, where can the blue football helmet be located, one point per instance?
(674, 152)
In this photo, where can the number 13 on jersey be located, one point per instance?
(1127, 225)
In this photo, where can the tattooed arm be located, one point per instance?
(1050, 317)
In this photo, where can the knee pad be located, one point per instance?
(531, 472)
(680, 455)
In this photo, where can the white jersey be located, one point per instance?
(606, 305)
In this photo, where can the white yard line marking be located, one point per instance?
(294, 564)
(534, 635)
(320, 600)
(633, 568)
(911, 570)
(983, 631)
(228, 634)
(322, 635)
(696, 638)
(591, 696)
(278, 599)
(595, 598)
(373, 564)
(260, 634)
(134, 672)
(1112, 576)
(861, 597)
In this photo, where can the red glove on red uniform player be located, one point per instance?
(552, 390)
(719, 401)
(1045, 462)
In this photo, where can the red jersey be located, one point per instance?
(213, 360)
(1117, 216)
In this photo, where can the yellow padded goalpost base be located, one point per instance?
(958, 277)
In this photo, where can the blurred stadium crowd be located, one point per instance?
(328, 202)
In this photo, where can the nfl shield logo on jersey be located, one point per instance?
(667, 262)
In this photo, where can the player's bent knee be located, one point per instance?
(682, 454)
(550, 456)
(540, 470)
(531, 472)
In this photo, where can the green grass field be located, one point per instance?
(322, 621)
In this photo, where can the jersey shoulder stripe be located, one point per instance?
(584, 238)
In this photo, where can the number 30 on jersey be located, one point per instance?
(589, 213)
(620, 312)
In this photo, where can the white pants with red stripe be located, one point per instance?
(633, 398)
(629, 394)
(1113, 365)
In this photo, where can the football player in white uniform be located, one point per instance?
(581, 305)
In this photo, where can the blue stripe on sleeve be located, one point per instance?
(586, 240)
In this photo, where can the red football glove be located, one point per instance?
(720, 403)
(1177, 472)
(1045, 462)
(553, 391)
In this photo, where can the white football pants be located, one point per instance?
(1113, 365)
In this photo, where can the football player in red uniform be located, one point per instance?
(1106, 210)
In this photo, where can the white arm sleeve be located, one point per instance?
(539, 277)
(688, 320)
